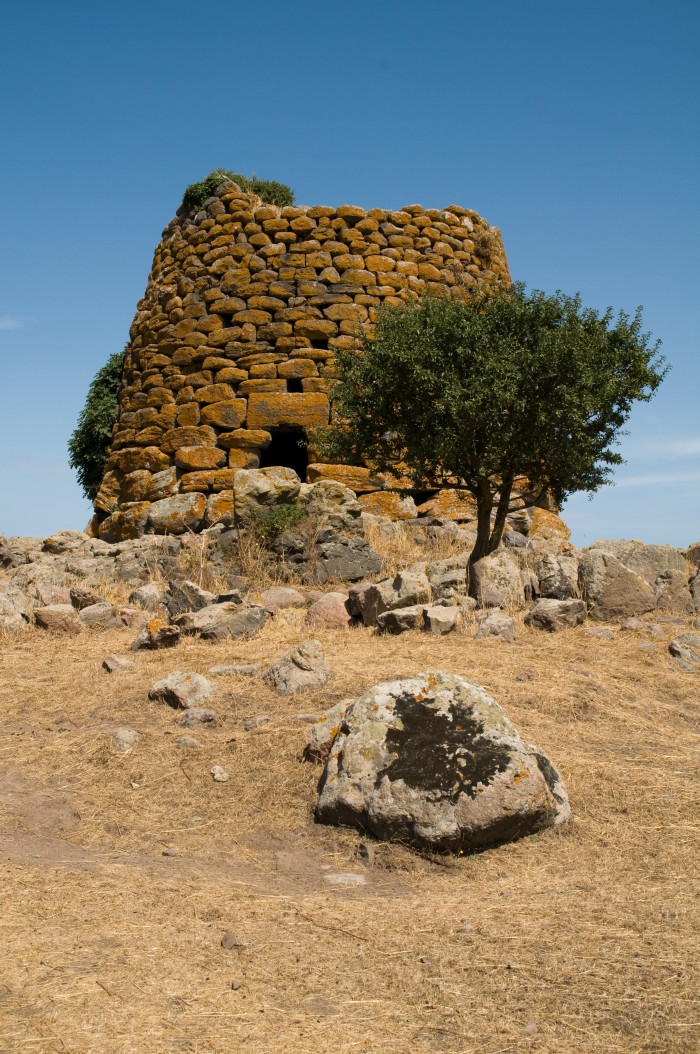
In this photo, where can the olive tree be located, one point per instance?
(476, 393)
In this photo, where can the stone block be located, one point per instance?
(292, 409)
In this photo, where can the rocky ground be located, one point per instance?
(166, 886)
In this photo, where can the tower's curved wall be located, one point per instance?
(232, 345)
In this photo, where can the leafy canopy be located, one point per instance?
(87, 447)
(269, 190)
(476, 393)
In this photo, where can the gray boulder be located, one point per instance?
(612, 590)
(557, 576)
(695, 591)
(661, 566)
(400, 620)
(150, 597)
(556, 615)
(178, 514)
(155, 635)
(686, 647)
(497, 581)
(58, 618)
(448, 578)
(280, 597)
(332, 504)
(496, 624)
(692, 555)
(440, 619)
(218, 621)
(16, 609)
(182, 690)
(329, 612)
(371, 599)
(347, 559)
(302, 669)
(257, 491)
(115, 664)
(432, 761)
(186, 596)
(97, 616)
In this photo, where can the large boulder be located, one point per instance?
(15, 608)
(329, 612)
(178, 514)
(662, 567)
(497, 581)
(556, 615)
(432, 761)
(302, 669)
(612, 590)
(260, 490)
(448, 578)
(371, 599)
(58, 618)
(186, 596)
(557, 576)
(332, 504)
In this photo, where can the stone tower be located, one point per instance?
(231, 353)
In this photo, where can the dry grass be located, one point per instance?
(578, 940)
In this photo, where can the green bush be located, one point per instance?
(268, 525)
(87, 447)
(269, 190)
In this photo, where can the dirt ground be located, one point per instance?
(581, 939)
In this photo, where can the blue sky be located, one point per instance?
(573, 127)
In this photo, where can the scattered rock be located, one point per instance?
(346, 559)
(182, 690)
(156, 634)
(257, 491)
(496, 624)
(329, 612)
(58, 618)
(84, 598)
(371, 599)
(252, 723)
(601, 632)
(229, 939)
(365, 853)
(115, 664)
(497, 581)
(302, 669)
(169, 851)
(16, 609)
(219, 775)
(557, 576)
(321, 735)
(187, 743)
(686, 647)
(402, 619)
(345, 878)
(123, 739)
(556, 615)
(235, 985)
(197, 716)
(97, 616)
(219, 621)
(241, 669)
(432, 761)
(448, 578)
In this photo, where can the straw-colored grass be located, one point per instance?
(582, 939)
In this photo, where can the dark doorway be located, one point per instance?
(285, 451)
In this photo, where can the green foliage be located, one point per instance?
(270, 191)
(87, 447)
(477, 393)
(268, 525)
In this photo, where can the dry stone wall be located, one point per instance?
(231, 357)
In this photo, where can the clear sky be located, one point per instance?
(572, 126)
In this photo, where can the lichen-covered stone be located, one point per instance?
(432, 761)
(291, 409)
(178, 514)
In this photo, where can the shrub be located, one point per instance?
(268, 525)
(270, 191)
(87, 447)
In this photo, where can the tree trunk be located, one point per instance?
(501, 512)
(484, 507)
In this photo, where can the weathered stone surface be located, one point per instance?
(432, 761)
(280, 597)
(219, 621)
(498, 582)
(58, 618)
(83, 598)
(557, 576)
(182, 690)
(692, 554)
(661, 566)
(116, 664)
(548, 530)
(610, 589)
(182, 512)
(323, 730)
(15, 609)
(388, 503)
(342, 558)
(97, 616)
(237, 669)
(156, 634)
(186, 596)
(301, 670)
(355, 478)
(128, 523)
(194, 458)
(332, 504)
(329, 612)
(448, 578)
(695, 591)
(288, 409)
(400, 620)
(257, 491)
(150, 597)
(439, 619)
(456, 505)
(686, 647)
(496, 624)
(124, 739)
(556, 615)
(371, 599)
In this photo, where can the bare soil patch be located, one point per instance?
(582, 939)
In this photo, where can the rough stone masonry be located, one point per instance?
(231, 356)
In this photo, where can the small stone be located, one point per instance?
(365, 853)
(235, 985)
(440, 620)
(150, 597)
(645, 647)
(197, 715)
(531, 1028)
(303, 668)
(220, 775)
(123, 739)
(83, 598)
(281, 597)
(114, 664)
(229, 939)
(156, 634)
(187, 743)
(345, 878)
(169, 852)
(243, 669)
(255, 722)
(601, 632)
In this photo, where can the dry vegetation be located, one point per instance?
(577, 940)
